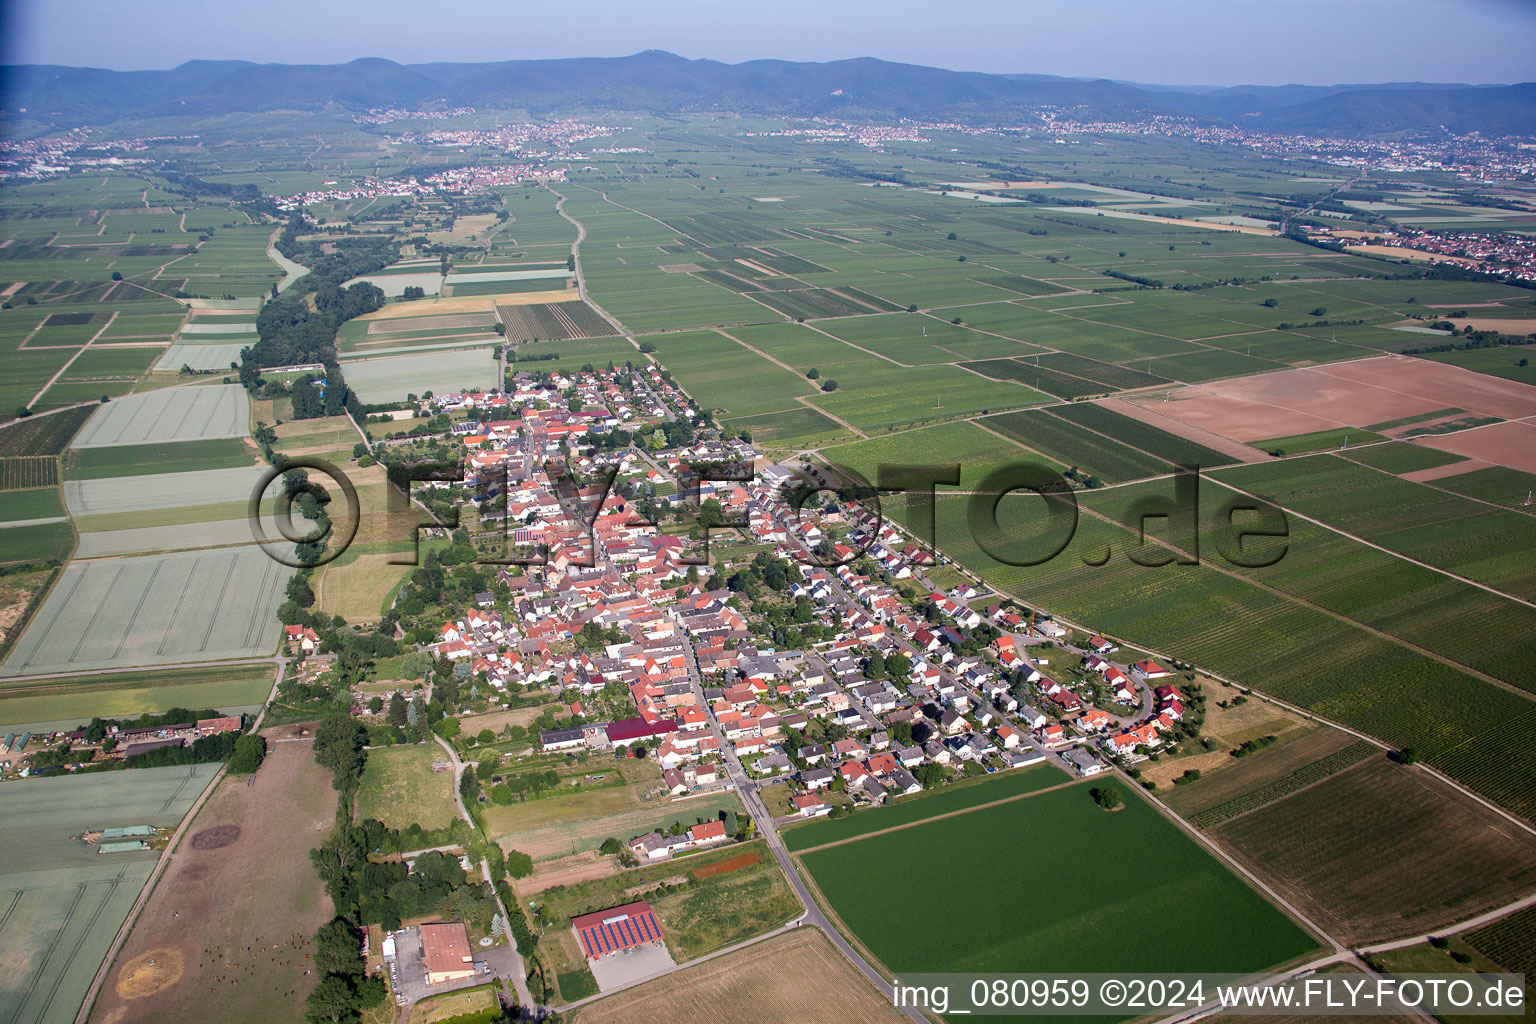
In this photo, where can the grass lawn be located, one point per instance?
(1129, 872)
(399, 787)
(562, 825)
(454, 1004)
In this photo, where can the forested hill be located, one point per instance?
(659, 82)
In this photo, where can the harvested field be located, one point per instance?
(358, 589)
(240, 929)
(219, 533)
(573, 870)
(723, 867)
(1157, 418)
(562, 825)
(431, 323)
(788, 979)
(1341, 849)
(1353, 394)
(1229, 727)
(1504, 444)
(154, 610)
(174, 414)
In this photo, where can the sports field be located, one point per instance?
(65, 901)
(172, 414)
(1204, 916)
(155, 609)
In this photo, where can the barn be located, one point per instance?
(619, 928)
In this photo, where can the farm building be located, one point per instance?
(619, 928)
(445, 952)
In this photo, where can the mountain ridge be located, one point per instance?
(658, 82)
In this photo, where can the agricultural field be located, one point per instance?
(66, 900)
(1341, 848)
(724, 375)
(400, 788)
(116, 495)
(230, 936)
(1100, 457)
(59, 703)
(1141, 435)
(157, 609)
(977, 451)
(162, 457)
(925, 806)
(173, 414)
(1494, 484)
(1464, 536)
(784, 980)
(1469, 728)
(1205, 916)
(392, 378)
(561, 824)
(42, 435)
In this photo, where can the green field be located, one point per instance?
(163, 457)
(1066, 442)
(922, 806)
(1322, 440)
(1402, 457)
(74, 700)
(400, 789)
(1204, 917)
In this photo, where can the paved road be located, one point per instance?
(758, 810)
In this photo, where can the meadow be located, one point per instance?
(400, 789)
(1205, 917)
(70, 701)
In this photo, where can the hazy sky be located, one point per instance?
(1202, 42)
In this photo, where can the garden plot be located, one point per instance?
(160, 490)
(153, 610)
(390, 379)
(175, 414)
(199, 357)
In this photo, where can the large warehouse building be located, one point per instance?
(619, 928)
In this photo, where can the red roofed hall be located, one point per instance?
(445, 951)
(608, 931)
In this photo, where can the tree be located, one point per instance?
(830, 385)
(610, 847)
(397, 709)
(898, 665)
(337, 948)
(1108, 798)
(339, 743)
(333, 1001)
(812, 373)
(1408, 755)
(250, 751)
(1271, 303)
(519, 865)
(647, 347)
